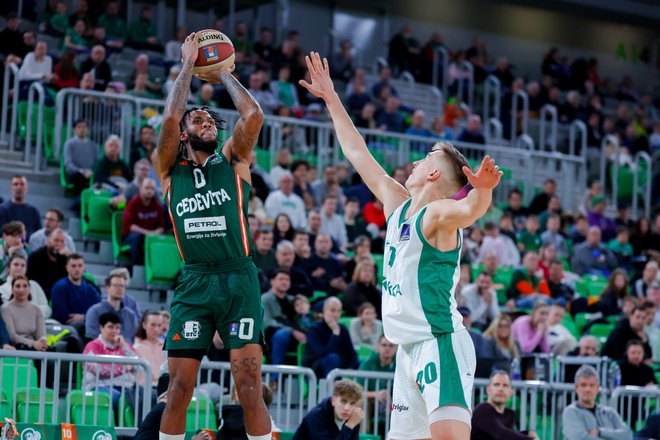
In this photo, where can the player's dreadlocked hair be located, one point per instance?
(220, 124)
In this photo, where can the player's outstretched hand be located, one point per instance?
(215, 76)
(487, 177)
(321, 85)
(190, 49)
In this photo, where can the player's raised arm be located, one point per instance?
(450, 214)
(388, 191)
(246, 132)
(175, 106)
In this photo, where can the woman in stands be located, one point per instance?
(24, 320)
(611, 300)
(366, 329)
(499, 331)
(362, 289)
(17, 266)
(531, 331)
(148, 344)
(283, 229)
(362, 249)
(548, 254)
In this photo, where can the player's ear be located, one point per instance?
(183, 136)
(434, 175)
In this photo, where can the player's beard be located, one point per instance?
(199, 144)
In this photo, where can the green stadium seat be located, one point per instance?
(364, 352)
(263, 159)
(625, 181)
(346, 321)
(568, 322)
(27, 405)
(127, 411)
(95, 216)
(120, 251)
(370, 437)
(162, 260)
(80, 402)
(207, 414)
(23, 371)
(5, 405)
(285, 435)
(601, 330)
(581, 321)
(318, 295)
(378, 260)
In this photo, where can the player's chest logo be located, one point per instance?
(198, 177)
(404, 235)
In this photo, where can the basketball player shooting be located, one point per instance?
(218, 289)
(436, 361)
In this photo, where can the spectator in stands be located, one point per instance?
(540, 201)
(140, 88)
(595, 189)
(286, 259)
(264, 50)
(301, 245)
(547, 255)
(13, 234)
(283, 229)
(12, 40)
(621, 248)
(651, 429)
(331, 223)
(561, 340)
(651, 330)
(382, 360)
(205, 96)
(324, 268)
(80, 154)
(649, 275)
(17, 266)
(553, 235)
(37, 66)
(438, 130)
(653, 295)
(110, 169)
(142, 148)
(518, 212)
(481, 299)
(114, 26)
(329, 343)
(109, 340)
(148, 344)
(65, 73)
(572, 109)
(531, 331)
(23, 319)
(74, 38)
(472, 133)
(144, 215)
(73, 295)
(336, 417)
(81, 13)
(492, 420)
(302, 187)
(591, 256)
(357, 102)
(47, 264)
(142, 32)
(141, 171)
(264, 255)
(362, 252)
(265, 98)
(18, 208)
(390, 119)
(353, 222)
(314, 223)
(596, 217)
(587, 347)
(362, 288)
(558, 288)
(115, 285)
(173, 47)
(365, 328)
(499, 331)
(97, 64)
(484, 348)
(526, 287)
(499, 244)
(417, 125)
(59, 22)
(585, 418)
(529, 239)
(374, 214)
(280, 316)
(625, 331)
(342, 62)
(384, 78)
(285, 201)
(634, 372)
(579, 230)
(128, 300)
(329, 185)
(283, 90)
(283, 165)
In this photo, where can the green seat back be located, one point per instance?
(120, 251)
(17, 374)
(201, 414)
(263, 159)
(346, 321)
(162, 259)
(95, 216)
(27, 405)
(286, 435)
(601, 330)
(84, 409)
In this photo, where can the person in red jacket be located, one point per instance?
(143, 216)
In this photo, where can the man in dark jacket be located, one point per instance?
(323, 422)
(329, 344)
(625, 331)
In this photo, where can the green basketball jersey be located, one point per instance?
(208, 205)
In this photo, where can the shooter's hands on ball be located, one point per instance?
(487, 177)
(215, 76)
(319, 71)
(190, 49)
(355, 418)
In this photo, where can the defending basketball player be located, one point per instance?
(436, 361)
(218, 289)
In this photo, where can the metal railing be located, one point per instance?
(37, 88)
(514, 114)
(492, 86)
(45, 377)
(549, 110)
(470, 83)
(604, 159)
(440, 56)
(494, 131)
(10, 138)
(634, 404)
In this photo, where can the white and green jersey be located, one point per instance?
(419, 282)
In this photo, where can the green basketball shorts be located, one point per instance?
(225, 297)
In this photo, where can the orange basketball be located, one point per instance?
(216, 51)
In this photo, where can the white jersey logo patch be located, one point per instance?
(191, 330)
(205, 224)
